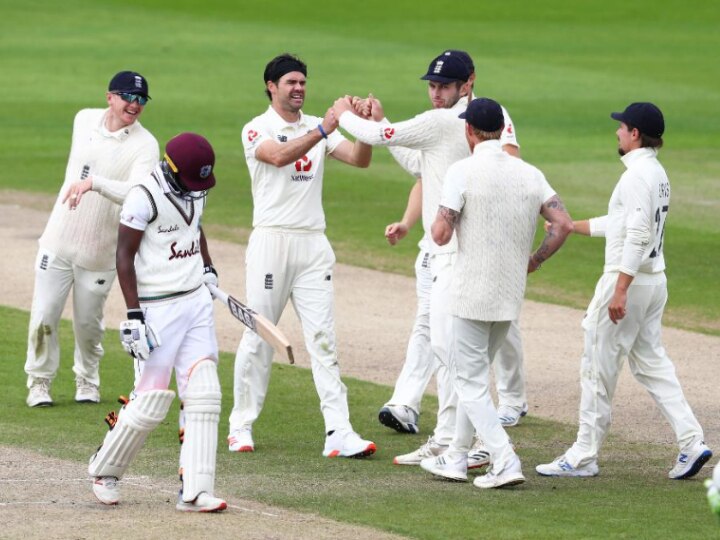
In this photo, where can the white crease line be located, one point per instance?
(130, 481)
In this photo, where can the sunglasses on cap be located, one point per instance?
(142, 100)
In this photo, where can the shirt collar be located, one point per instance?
(121, 134)
(278, 122)
(638, 154)
(461, 105)
(488, 146)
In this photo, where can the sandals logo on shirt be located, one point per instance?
(184, 253)
(304, 164)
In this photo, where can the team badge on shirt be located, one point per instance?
(303, 165)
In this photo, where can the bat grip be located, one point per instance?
(217, 293)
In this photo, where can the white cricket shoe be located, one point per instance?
(510, 416)
(510, 475)
(561, 467)
(86, 392)
(202, 503)
(690, 461)
(428, 450)
(241, 440)
(39, 394)
(400, 418)
(106, 489)
(452, 466)
(346, 443)
(478, 456)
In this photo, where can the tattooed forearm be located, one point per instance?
(449, 215)
(554, 202)
(560, 226)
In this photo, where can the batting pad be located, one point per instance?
(201, 405)
(138, 418)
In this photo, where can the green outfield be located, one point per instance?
(632, 497)
(559, 68)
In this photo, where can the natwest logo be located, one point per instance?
(388, 133)
(252, 135)
(303, 164)
(509, 129)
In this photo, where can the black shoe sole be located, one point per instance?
(387, 419)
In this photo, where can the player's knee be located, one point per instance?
(202, 392)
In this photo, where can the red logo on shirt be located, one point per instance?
(303, 164)
(388, 133)
(508, 128)
(252, 135)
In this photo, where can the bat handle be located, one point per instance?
(217, 293)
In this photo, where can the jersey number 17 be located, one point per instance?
(660, 215)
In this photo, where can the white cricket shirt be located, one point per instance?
(168, 261)
(438, 137)
(634, 227)
(87, 236)
(287, 197)
(500, 198)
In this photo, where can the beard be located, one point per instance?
(621, 152)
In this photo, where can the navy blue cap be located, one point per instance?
(462, 55)
(484, 114)
(646, 117)
(129, 82)
(447, 69)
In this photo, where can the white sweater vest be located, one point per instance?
(169, 261)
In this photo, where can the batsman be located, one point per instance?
(163, 263)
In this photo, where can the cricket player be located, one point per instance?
(492, 201)
(624, 317)
(401, 412)
(288, 254)
(437, 138)
(163, 264)
(110, 152)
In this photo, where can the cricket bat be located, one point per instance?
(256, 322)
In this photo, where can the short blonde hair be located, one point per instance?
(488, 135)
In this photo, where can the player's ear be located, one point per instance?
(108, 97)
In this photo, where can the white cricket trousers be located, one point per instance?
(507, 363)
(286, 265)
(54, 277)
(637, 336)
(474, 344)
(186, 328)
(420, 361)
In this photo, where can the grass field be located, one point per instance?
(632, 498)
(560, 68)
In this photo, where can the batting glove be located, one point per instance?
(137, 337)
(210, 276)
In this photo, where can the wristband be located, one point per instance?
(322, 131)
(137, 314)
(209, 269)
